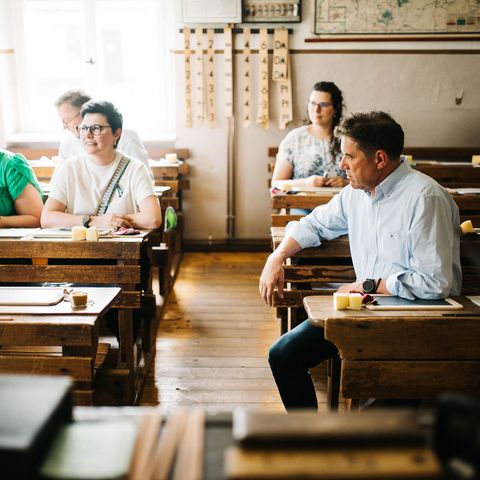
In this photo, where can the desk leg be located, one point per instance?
(125, 327)
(333, 382)
(352, 404)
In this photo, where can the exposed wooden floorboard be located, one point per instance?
(213, 339)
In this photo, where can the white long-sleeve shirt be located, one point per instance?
(408, 234)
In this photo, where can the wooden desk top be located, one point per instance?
(320, 311)
(99, 301)
(113, 247)
(159, 190)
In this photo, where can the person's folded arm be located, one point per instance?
(54, 215)
(150, 215)
(326, 222)
(28, 208)
(433, 245)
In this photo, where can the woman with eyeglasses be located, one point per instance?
(20, 194)
(310, 155)
(68, 108)
(101, 187)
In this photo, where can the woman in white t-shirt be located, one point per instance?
(79, 184)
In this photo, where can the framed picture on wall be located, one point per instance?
(271, 11)
(212, 11)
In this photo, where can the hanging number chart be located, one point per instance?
(211, 79)
(188, 77)
(246, 83)
(262, 113)
(228, 73)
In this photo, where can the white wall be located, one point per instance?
(418, 89)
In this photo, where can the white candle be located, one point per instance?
(92, 234)
(355, 301)
(79, 233)
(171, 157)
(340, 301)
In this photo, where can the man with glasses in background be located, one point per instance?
(68, 108)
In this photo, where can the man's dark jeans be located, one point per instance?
(290, 359)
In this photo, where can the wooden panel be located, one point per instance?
(348, 463)
(279, 220)
(461, 154)
(319, 273)
(300, 201)
(175, 185)
(339, 248)
(31, 153)
(80, 368)
(399, 338)
(272, 152)
(405, 379)
(159, 152)
(43, 173)
(121, 250)
(128, 300)
(173, 202)
(45, 333)
(83, 398)
(294, 298)
(164, 172)
(101, 274)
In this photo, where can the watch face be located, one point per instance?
(368, 285)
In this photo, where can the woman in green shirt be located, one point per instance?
(20, 194)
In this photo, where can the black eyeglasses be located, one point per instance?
(319, 104)
(94, 129)
(66, 123)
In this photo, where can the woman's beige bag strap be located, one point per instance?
(107, 196)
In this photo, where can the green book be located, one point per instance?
(99, 449)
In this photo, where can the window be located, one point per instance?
(118, 50)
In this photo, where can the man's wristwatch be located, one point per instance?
(370, 285)
(86, 221)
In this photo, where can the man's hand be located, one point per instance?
(272, 276)
(349, 287)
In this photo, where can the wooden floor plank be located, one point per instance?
(212, 342)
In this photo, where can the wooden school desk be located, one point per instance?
(401, 354)
(450, 174)
(118, 260)
(308, 199)
(467, 200)
(56, 339)
(192, 444)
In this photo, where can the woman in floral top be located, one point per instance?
(310, 155)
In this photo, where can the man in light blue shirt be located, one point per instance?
(404, 232)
